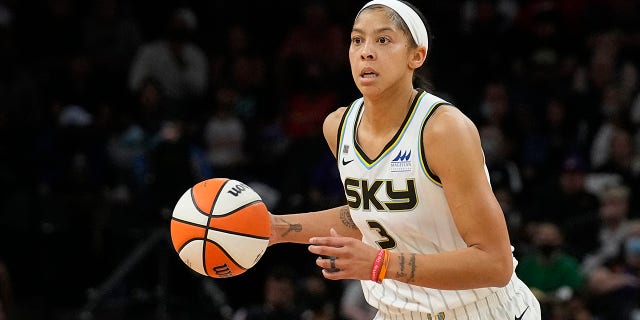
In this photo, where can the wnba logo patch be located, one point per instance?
(402, 161)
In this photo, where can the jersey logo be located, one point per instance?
(522, 314)
(346, 162)
(402, 156)
(402, 161)
(365, 194)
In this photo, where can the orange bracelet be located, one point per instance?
(384, 266)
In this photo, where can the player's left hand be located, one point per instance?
(352, 258)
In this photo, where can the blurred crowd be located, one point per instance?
(111, 109)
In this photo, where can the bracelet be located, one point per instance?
(384, 267)
(377, 265)
(380, 265)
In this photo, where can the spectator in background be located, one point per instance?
(503, 170)
(316, 41)
(624, 161)
(241, 65)
(279, 298)
(178, 64)
(546, 147)
(614, 118)
(110, 37)
(353, 305)
(552, 273)
(224, 137)
(248, 79)
(149, 106)
(495, 110)
(615, 225)
(238, 42)
(484, 26)
(306, 107)
(565, 201)
(172, 167)
(615, 284)
(317, 299)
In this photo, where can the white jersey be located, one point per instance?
(398, 204)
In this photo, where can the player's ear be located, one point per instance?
(417, 57)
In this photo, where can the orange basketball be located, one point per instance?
(220, 227)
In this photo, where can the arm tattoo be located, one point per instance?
(295, 227)
(401, 272)
(345, 215)
(412, 264)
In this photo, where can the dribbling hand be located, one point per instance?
(343, 257)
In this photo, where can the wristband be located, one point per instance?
(377, 265)
(384, 267)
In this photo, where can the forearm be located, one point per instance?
(299, 227)
(461, 269)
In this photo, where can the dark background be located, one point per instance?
(71, 213)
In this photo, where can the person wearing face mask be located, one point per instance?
(552, 273)
(615, 285)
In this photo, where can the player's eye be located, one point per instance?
(356, 40)
(383, 40)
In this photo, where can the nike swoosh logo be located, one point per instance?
(344, 163)
(522, 314)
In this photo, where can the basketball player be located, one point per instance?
(422, 230)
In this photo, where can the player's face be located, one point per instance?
(379, 52)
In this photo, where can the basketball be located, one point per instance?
(220, 227)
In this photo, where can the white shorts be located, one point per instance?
(514, 302)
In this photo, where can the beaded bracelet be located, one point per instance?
(380, 264)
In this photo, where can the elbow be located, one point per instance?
(502, 272)
(503, 279)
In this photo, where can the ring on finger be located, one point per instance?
(332, 262)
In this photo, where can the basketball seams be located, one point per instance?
(222, 249)
(215, 199)
(191, 223)
(237, 233)
(184, 244)
(240, 208)
(210, 214)
(195, 203)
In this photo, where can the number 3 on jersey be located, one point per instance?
(387, 241)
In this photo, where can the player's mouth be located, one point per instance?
(368, 73)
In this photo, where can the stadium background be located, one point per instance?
(91, 162)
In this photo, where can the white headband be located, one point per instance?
(410, 17)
